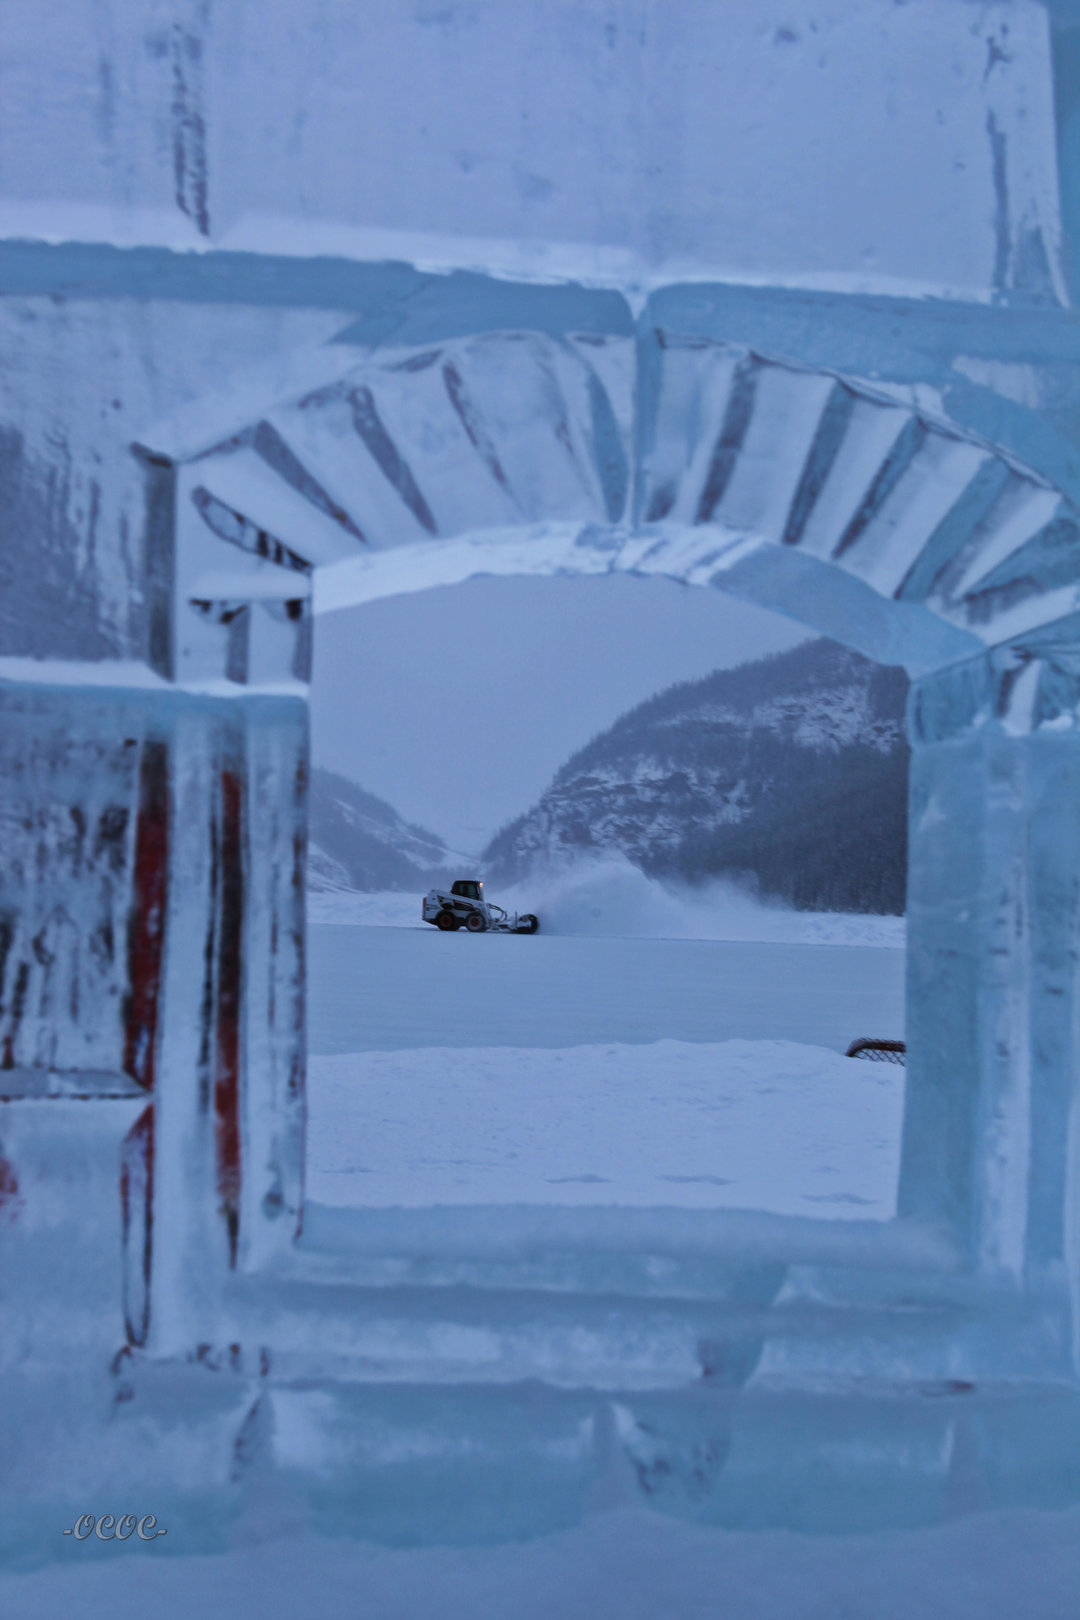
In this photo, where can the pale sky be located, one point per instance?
(458, 705)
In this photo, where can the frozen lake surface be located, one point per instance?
(388, 989)
(452, 1069)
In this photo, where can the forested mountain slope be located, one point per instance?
(791, 770)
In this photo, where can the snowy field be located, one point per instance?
(796, 1130)
(622, 1564)
(583, 1067)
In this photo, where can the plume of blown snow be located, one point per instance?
(610, 896)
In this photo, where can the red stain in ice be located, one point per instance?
(10, 1202)
(227, 1045)
(137, 1216)
(148, 915)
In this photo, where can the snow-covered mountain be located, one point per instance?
(358, 841)
(791, 769)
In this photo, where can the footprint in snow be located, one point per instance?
(837, 1198)
(712, 1181)
(558, 1181)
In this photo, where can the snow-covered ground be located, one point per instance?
(796, 1130)
(587, 1068)
(624, 1564)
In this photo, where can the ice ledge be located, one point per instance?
(602, 265)
(74, 672)
(522, 1232)
(128, 675)
(38, 1085)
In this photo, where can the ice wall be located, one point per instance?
(83, 806)
(768, 298)
(82, 576)
(452, 134)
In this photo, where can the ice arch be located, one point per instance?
(360, 473)
(698, 460)
(151, 907)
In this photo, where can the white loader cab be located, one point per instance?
(463, 906)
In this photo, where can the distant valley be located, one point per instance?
(357, 841)
(788, 773)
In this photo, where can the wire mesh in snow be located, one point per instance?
(878, 1051)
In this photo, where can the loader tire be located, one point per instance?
(447, 922)
(475, 922)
